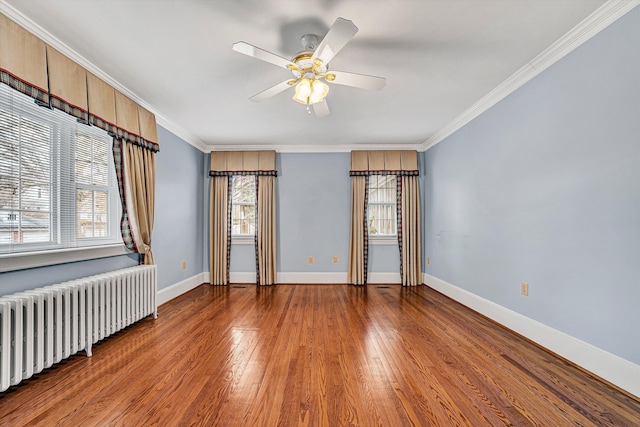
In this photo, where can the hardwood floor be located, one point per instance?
(317, 355)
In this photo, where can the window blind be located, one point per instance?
(57, 180)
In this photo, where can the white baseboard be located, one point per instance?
(177, 289)
(304, 278)
(616, 370)
(239, 277)
(386, 278)
(334, 278)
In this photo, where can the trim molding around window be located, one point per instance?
(243, 240)
(24, 260)
(67, 161)
(377, 240)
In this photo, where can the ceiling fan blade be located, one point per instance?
(261, 54)
(321, 108)
(358, 80)
(338, 36)
(273, 90)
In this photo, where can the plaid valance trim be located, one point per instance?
(122, 134)
(243, 173)
(103, 124)
(397, 173)
(24, 87)
(70, 109)
(137, 140)
(43, 96)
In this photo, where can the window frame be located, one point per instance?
(382, 239)
(243, 239)
(64, 244)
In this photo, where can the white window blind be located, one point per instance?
(243, 208)
(381, 209)
(57, 180)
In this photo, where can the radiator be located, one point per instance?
(42, 326)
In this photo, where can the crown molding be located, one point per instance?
(345, 148)
(600, 19)
(56, 43)
(590, 26)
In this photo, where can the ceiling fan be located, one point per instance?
(310, 68)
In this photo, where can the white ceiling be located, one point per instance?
(174, 56)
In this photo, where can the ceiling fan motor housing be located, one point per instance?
(309, 42)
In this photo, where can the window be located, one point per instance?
(92, 186)
(381, 209)
(57, 180)
(243, 206)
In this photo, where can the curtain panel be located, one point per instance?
(266, 230)
(358, 239)
(409, 232)
(32, 67)
(219, 231)
(224, 165)
(403, 164)
(135, 171)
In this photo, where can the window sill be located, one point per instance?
(21, 261)
(383, 240)
(243, 240)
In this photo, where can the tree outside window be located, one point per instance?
(243, 208)
(381, 208)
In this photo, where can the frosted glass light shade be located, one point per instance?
(310, 91)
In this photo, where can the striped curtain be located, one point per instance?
(135, 171)
(219, 231)
(266, 230)
(409, 232)
(403, 164)
(224, 165)
(358, 239)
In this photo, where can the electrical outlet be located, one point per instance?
(428, 261)
(524, 289)
(184, 265)
(310, 260)
(335, 259)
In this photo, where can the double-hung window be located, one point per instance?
(243, 207)
(57, 180)
(381, 207)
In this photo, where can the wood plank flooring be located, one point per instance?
(316, 355)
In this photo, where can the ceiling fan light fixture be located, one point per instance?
(310, 91)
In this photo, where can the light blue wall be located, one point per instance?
(22, 280)
(243, 258)
(178, 231)
(545, 188)
(313, 211)
(313, 208)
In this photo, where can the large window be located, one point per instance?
(243, 208)
(57, 179)
(381, 209)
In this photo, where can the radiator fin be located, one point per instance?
(42, 326)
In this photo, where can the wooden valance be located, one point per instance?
(243, 163)
(391, 162)
(30, 66)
